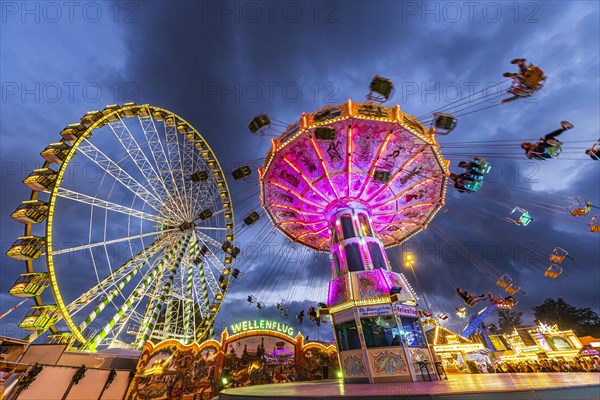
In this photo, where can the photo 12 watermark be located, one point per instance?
(270, 12)
(268, 92)
(470, 11)
(52, 12)
(68, 92)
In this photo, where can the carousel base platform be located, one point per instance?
(532, 386)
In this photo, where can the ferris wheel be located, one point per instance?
(130, 224)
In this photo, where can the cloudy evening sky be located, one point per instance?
(218, 64)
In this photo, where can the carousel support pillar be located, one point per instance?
(374, 310)
(298, 353)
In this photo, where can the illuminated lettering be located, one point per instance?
(245, 326)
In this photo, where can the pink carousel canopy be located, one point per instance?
(375, 155)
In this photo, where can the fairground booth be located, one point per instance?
(457, 353)
(540, 342)
(249, 353)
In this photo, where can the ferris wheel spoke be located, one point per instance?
(116, 276)
(109, 242)
(209, 194)
(198, 314)
(177, 302)
(137, 294)
(147, 329)
(210, 242)
(186, 157)
(133, 149)
(152, 294)
(193, 304)
(137, 266)
(95, 202)
(130, 320)
(97, 290)
(159, 156)
(207, 278)
(198, 190)
(205, 239)
(201, 289)
(188, 150)
(188, 312)
(175, 164)
(119, 174)
(213, 285)
(210, 228)
(204, 283)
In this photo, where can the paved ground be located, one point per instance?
(533, 386)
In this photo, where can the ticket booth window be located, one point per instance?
(413, 335)
(380, 331)
(347, 336)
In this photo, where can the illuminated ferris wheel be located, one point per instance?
(131, 225)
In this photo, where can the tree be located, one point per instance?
(260, 350)
(583, 321)
(508, 320)
(493, 328)
(245, 355)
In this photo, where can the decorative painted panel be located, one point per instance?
(388, 362)
(419, 354)
(337, 291)
(353, 364)
(370, 284)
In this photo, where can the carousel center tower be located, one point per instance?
(354, 179)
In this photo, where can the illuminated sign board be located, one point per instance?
(497, 342)
(374, 311)
(464, 347)
(246, 326)
(407, 311)
(560, 343)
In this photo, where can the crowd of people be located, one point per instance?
(587, 364)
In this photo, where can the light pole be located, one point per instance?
(410, 262)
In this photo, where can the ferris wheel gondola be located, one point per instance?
(153, 225)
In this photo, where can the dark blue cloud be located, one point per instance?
(218, 67)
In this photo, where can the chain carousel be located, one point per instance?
(352, 180)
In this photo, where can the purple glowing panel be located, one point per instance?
(388, 162)
(282, 353)
(337, 291)
(371, 284)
